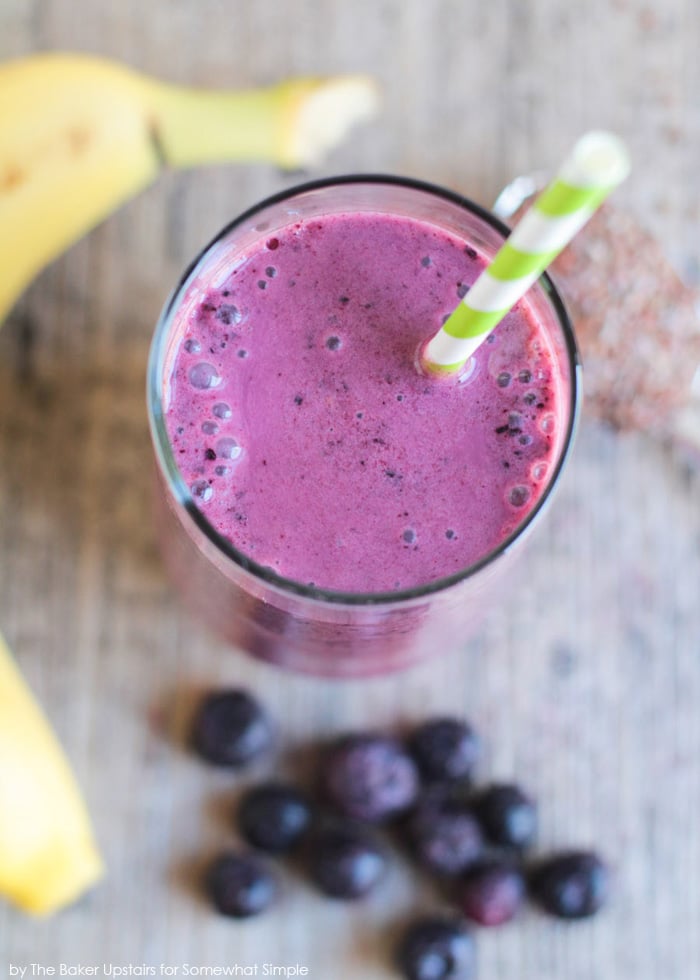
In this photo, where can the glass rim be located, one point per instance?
(167, 463)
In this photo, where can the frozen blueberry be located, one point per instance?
(274, 817)
(446, 749)
(240, 885)
(369, 777)
(570, 885)
(436, 948)
(503, 379)
(491, 892)
(345, 861)
(507, 815)
(231, 729)
(444, 834)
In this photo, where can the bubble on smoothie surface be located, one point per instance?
(409, 536)
(519, 496)
(221, 470)
(547, 424)
(204, 375)
(539, 470)
(202, 491)
(192, 346)
(426, 261)
(228, 448)
(271, 272)
(209, 428)
(333, 343)
(229, 314)
(222, 410)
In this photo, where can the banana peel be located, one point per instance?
(48, 856)
(81, 135)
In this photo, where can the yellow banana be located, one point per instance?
(79, 135)
(47, 854)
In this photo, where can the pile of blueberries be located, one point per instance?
(476, 839)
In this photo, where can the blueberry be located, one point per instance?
(446, 749)
(444, 833)
(507, 815)
(231, 729)
(491, 892)
(333, 343)
(570, 885)
(369, 777)
(240, 885)
(345, 861)
(503, 379)
(436, 948)
(274, 817)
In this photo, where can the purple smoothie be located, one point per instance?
(307, 435)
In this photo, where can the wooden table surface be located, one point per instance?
(585, 683)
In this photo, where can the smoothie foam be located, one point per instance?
(309, 439)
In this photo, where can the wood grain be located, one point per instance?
(585, 682)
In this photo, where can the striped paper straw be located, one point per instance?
(597, 164)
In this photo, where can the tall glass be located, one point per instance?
(297, 625)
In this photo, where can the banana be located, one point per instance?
(80, 135)
(47, 853)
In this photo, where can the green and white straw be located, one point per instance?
(597, 164)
